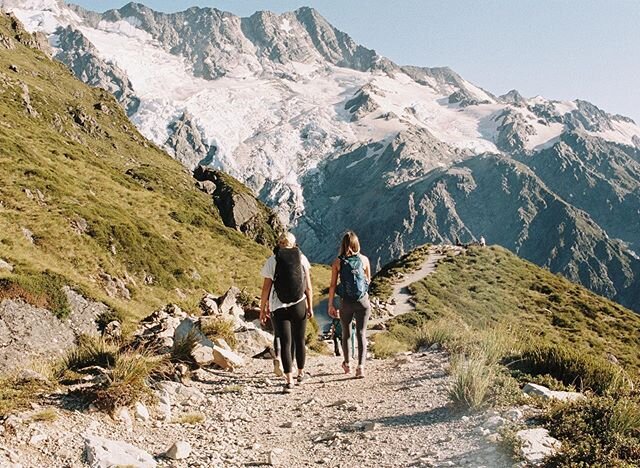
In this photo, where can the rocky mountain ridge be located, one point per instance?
(286, 102)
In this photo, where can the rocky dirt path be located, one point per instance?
(397, 416)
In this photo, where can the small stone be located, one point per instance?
(276, 457)
(123, 415)
(289, 424)
(515, 414)
(141, 412)
(494, 422)
(338, 403)
(4, 265)
(179, 451)
(37, 439)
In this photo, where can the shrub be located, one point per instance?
(472, 379)
(572, 368)
(219, 328)
(600, 431)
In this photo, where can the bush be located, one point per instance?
(472, 379)
(600, 431)
(572, 368)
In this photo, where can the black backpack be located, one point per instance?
(289, 280)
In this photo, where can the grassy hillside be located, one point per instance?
(491, 286)
(98, 198)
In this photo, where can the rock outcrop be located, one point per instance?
(239, 208)
(29, 334)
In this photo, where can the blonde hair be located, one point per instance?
(286, 240)
(350, 244)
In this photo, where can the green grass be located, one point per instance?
(490, 286)
(382, 284)
(16, 394)
(189, 418)
(144, 217)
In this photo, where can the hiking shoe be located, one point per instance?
(359, 373)
(302, 378)
(277, 368)
(346, 368)
(288, 388)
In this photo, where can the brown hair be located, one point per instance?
(350, 244)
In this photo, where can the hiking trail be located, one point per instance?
(399, 415)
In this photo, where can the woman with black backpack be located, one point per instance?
(287, 296)
(354, 271)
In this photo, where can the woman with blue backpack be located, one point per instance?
(354, 271)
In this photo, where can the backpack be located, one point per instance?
(353, 282)
(289, 280)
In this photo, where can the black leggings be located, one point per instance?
(291, 325)
(360, 310)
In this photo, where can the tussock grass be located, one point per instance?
(189, 418)
(232, 389)
(16, 394)
(217, 327)
(572, 368)
(129, 381)
(472, 379)
(90, 351)
(45, 415)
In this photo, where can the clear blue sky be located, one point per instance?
(561, 49)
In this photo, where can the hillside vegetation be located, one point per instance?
(489, 287)
(86, 200)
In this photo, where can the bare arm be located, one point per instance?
(367, 268)
(309, 293)
(264, 299)
(335, 268)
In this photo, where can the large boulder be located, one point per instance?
(106, 453)
(252, 341)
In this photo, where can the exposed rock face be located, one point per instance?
(513, 132)
(188, 142)
(239, 208)
(537, 444)
(362, 104)
(82, 58)
(490, 196)
(29, 333)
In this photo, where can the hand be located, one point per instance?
(264, 315)
(333, 312)
(309, 312)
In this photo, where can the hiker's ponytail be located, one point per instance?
(350, 244)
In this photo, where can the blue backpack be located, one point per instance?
(353, 282)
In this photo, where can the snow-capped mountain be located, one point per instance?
(333, 135)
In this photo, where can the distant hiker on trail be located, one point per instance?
(287, 296)
(354, 272)
(483, 243)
